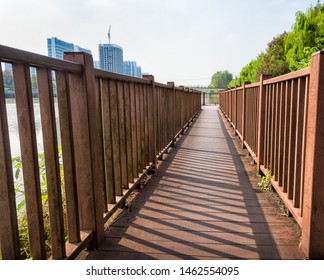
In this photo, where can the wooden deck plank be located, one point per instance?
(202, 203)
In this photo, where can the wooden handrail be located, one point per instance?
(113, 128)
(282, 129)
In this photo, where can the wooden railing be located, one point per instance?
(112, 127)
(281, 121)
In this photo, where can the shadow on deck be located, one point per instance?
(202, 203)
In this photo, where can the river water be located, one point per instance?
(14, 137)
(14, 131)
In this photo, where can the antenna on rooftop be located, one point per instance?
(109, 34)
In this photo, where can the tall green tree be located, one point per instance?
(8, 81)
(251, 72)
(306, 37)
(221, 79)
(274, 60)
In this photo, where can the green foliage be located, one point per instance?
(264, 181)
(250, 72)
(8, 81)
(21, 207)
(289, 51)
(235, 82)
(221, 79)
(274, 60)
(306, 37)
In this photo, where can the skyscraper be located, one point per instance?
(57, 47)
(131, 69)
(111, 58)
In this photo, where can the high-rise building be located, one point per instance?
(111, 58)
(139, 72)
(57, 47)
(131, 69)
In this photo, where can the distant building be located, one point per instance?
(111, 58)
(96, 64)
(57, 47)
(131, 69)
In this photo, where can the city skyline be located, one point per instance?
(56, 48)
(184, 41)
(110, 56)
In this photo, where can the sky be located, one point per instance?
(185, 41)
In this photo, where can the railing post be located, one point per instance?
(153, 120)
(243, 115)
(87, 137)
(261, 119)
(173, 110)
(313, 214)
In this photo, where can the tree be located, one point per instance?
(221, 79)
(274, 60)
(251, 72)
(8, 81)
(306, 37)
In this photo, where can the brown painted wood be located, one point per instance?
(64, 109)
(261, 123)
(96, 146)
(115, 136)
(242, 116)
(138, 129)
(128, 128)
(53, 179)
(302, 179)
(134, 129)
(29, 156)
(107, 141)
(87, 132)
(313, 230)
(276, 134)
(184, 215)
(292, 139)
(82, 153)
(281, 132)
(8, 227)
(122, 134)
(142, 121)
(146, 126)
(8, 54)
(103, 185)
(151, 120)
(299, 141)
(286, 135)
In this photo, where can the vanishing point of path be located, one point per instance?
(202, 203)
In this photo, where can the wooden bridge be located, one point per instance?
(202, 203)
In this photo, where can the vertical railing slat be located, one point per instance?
(133, 129)
(53, 180)
(128, 129)
(298, 141)
(281, 133)
(29, 155)
(9, 237)
(107, 142)
(138, 129)
(303, 157)
(292, 139)
(115, 136)
(63, 100)
(122, 134)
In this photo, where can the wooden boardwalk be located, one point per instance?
(202, 203)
